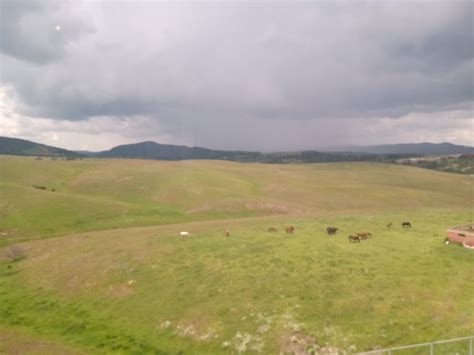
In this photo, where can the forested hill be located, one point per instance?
(15, 146)
(152, 150)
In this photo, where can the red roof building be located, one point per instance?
(462, 235)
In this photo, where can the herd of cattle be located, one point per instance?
(356, 237)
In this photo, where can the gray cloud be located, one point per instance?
(200, 72)
(33, 31)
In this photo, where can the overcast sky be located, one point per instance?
(237, 75)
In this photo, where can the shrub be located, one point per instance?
(39, 187)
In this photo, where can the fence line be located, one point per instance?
(430, 344)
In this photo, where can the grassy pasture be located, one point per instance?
(102, 194)
(144, 290)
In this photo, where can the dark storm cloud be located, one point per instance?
(213, 69)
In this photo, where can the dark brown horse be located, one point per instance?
(331, 230)
(354, 238)
(406, 225)
(364, 235)
(290, 229)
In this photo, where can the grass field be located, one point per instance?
(101, 268)
(102, 194)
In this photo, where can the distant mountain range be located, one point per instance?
(409, 148)
(152, 150)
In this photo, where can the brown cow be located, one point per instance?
(290, 229)
(364, 235)
(354, 238)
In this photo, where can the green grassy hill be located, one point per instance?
(117, 278)
(95, 194)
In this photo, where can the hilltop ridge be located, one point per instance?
(153, 150)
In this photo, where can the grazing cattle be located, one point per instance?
(354, 238)
(184, 234)
(364, 235)
(406, 225)
(290, 229)
(389, 225)
(226, 233)
(272, 229)
(331, 230)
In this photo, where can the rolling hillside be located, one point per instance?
(102, 269)
(99, 193)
